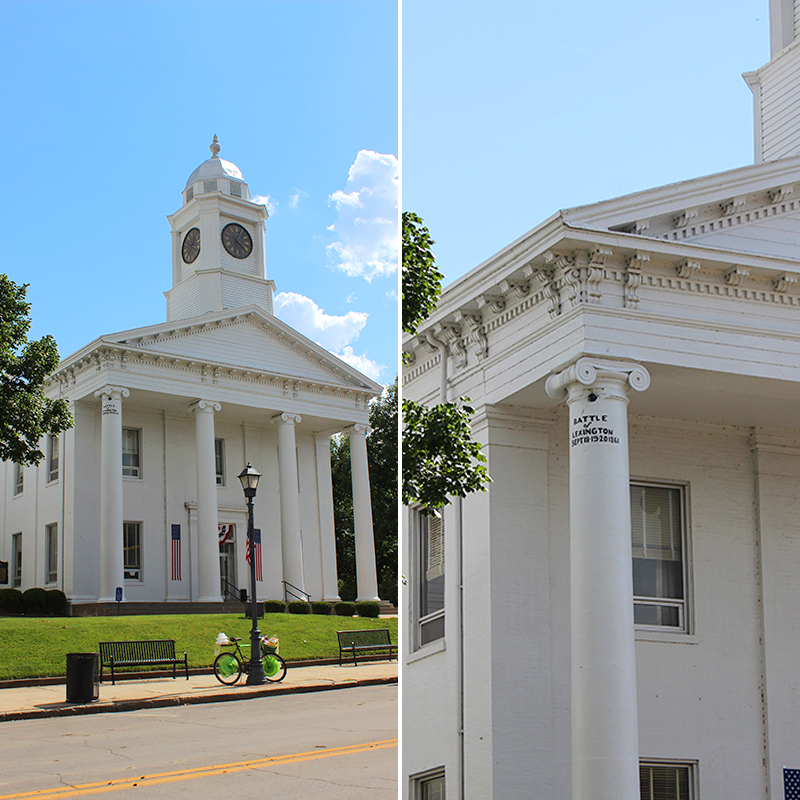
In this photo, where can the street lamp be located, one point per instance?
(249, 478)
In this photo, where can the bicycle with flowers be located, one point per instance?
(229, 665)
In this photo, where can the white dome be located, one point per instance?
(215, 167)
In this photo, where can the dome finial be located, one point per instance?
(214, 148)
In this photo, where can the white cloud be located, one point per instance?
(369, 368)
(367, 227)
(331, 332)
(265, 200)
(294, 199)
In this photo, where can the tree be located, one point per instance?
(422, 281)
(26, 415)
(440, 458)
(382, 464)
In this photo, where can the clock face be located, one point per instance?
(237, 241)
(191, 245)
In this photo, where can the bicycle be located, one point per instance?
(229, 666)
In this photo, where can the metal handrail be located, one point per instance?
(287, 591)
(227, 586)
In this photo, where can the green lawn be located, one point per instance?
(37, 647)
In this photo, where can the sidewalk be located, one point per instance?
(34, 702)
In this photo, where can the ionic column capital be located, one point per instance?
(204, 405)
(360, 428)
(588, 370)
(286, 417)
(112, 392)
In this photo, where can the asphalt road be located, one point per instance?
(326, 745)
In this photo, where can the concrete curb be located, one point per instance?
(234, 693)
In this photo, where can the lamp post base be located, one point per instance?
(255, 677)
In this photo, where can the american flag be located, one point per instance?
(791, 784)
(257, 547)
(176, 552)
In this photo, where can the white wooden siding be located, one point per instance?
(780, 114)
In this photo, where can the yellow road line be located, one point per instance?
(196, 772)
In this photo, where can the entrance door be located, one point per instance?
(227, 560)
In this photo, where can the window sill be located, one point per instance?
(431, 649)
(671, 636)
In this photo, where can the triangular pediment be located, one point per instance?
(246, 341)
(753, 209)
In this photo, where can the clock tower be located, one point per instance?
(217, 244)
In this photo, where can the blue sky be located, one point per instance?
(514, 110)
(108, 108)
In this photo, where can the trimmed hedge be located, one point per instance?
(368, 608)
(299, 607)
(10, 602)
(345, 609)
(33, 602)
(274, 607)
(55, 603)
(321, 607)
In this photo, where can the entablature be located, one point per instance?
(583, 267)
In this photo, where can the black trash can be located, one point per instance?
(83, 677)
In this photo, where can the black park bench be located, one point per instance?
(370, 640)
(151, 652)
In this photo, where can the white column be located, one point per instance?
(327, 531)
(605, 739)
(208, 577)
(366, 571)
(111, 545)
(291, 543)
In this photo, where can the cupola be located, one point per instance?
(217, 244)
(216, 175)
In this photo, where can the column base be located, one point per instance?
(375, 599)
(214, 598)
(109, 599)
(335, 599)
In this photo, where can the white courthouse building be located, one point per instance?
(618, 615)
(143, 492)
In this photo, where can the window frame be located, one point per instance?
(134, 471)
(420, 621)
(51, 553)
(684, 605)
(16, 560)
(18, 479)
(219, 461)
(53, 456)
(419, 781)
(126, 548)
(689, 766)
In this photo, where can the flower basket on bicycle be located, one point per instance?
(229, 665)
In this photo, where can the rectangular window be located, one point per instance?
(52, 458)
(658, 533)
(130, 452)
(16, 560)
(664, 782)
(132, 547)
(429, 578)
(51, 553)
(19, 478)
(430, 787)
(219, 460)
